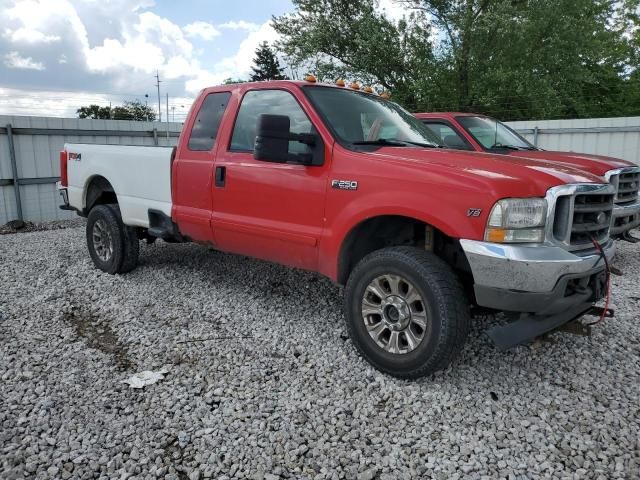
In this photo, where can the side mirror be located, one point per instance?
(273, 135)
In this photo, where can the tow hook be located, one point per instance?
(598, 312)
(615, 271)
(627, 237)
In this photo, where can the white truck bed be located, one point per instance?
(140, 177)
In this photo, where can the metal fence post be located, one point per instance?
(155, 136)
(535, 136)
(14, 171)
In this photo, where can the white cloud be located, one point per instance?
(117, 46)
(236, 66)
(242, 61)
(202, 30)
(29, 36)
(15, 60)
(240, 25)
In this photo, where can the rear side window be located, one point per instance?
(205, 128)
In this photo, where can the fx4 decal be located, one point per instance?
(75, 156)
(474, 212)
(344, 184)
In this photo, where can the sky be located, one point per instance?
(56, 55)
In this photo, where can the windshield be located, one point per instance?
(363, 119)
(493, 134)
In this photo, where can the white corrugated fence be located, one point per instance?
(614, 137)
(38, 140)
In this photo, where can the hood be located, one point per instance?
(513, 176)
(595, 164)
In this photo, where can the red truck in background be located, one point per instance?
(348, 184)
(479, 133)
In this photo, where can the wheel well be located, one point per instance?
(99, 192)
(393, 230)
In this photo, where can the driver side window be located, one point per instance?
(273, 102)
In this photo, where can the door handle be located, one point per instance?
(221, 175)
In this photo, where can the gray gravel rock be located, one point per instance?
(264, 385)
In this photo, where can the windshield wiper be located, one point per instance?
(392, 142)
(508, 147)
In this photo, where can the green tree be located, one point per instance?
(94, 111)
(231, 81)
(339, 38)
(135, 110)
(515, 59)
(266, 65)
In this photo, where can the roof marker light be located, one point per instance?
(367, 89)
(310, 79)
(355, 86)
(386, 95)
(340, 82)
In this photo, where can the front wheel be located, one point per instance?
(114, 247)
(406, 312)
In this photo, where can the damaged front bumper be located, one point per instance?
(549, 285)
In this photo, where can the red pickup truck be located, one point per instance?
(479, 133)
(345, 183)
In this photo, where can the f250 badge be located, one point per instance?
(474, 212)
(344, 184)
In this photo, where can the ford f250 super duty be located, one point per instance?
(470, 131)
(348, 184)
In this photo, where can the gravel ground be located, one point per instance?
(264, 383)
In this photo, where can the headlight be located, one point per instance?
(517, 220)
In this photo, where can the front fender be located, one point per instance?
(448, 217)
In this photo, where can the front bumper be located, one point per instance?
(542, 279)
(625, 218)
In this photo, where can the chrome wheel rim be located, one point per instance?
(394, 314)
(102, 241)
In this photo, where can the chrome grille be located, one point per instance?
(591, 219)
(581, 213)
(628, 187)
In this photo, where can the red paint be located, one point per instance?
(290, 214)
(595, 164)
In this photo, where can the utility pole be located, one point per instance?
(158, 87)
(167, 116)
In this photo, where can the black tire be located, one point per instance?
(442, 299)
(122, 245)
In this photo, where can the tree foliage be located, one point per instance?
(266, 65)
(514, 59)
(135, 110)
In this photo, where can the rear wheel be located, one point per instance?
(114, 247)
(406, 312)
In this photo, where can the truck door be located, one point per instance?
(272, 211)
(192, 172)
